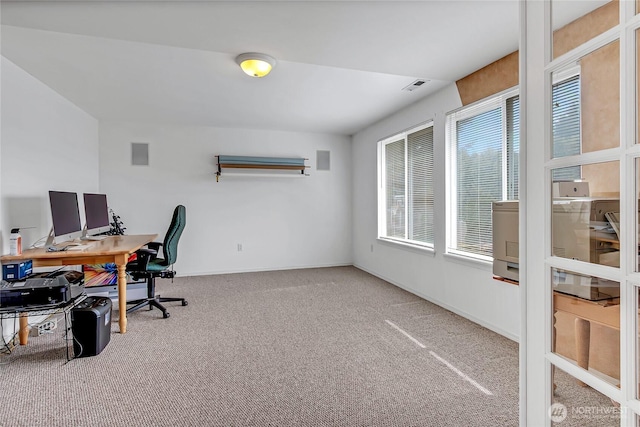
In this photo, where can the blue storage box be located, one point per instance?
(18, 270)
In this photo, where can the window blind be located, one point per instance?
(407, 183)
(513, 146)
(395, 188)
(566, 125)
(420, 185)
(479, 179)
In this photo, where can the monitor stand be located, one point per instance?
(50, 240)
(84, 233)
(85, 236)
(50, 245)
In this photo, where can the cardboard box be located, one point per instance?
(570, 189)
(19, 270)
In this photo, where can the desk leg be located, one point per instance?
(122, 296)
(583, 340)
(23, 334)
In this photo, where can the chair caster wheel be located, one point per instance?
(166, 315)
(185, 302)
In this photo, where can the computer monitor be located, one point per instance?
(96, 213)
(65, 215)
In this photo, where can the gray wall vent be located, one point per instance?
(140, 154)
(323, 160)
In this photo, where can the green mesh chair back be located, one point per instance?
(170, 244)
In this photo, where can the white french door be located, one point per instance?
(581, 287)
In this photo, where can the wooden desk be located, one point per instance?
(606, 313)
(115, 249)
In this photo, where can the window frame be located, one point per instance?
(498, 100)
(495, 101)
(382, 192)
(560, 77)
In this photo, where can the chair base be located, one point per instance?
(154, 302)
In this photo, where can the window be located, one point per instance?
(513, 146)
(566, 125)
(483, 147)
(406, 187)
(478, 153)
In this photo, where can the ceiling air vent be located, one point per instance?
(415, 85)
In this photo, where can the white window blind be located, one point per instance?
(566, 125)
(407, 185)
(513, 146)
(420, 175)
(479, 179)
(395, 188)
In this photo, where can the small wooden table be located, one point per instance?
(606, 313)
(115, 249)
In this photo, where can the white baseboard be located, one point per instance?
(455, 310)
(257, 270)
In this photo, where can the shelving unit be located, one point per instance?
(43, 311)
(252, 162)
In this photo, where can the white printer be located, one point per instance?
(580, 231)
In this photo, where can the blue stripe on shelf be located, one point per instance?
(250, 160)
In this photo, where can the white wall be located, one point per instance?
(281, 223)
(48, 143)
(463, 287)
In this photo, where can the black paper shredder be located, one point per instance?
(91, 326)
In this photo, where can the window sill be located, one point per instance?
(470, 261)
(405, 245)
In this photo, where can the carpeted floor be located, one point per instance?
(314, 347)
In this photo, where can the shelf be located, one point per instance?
(264, 163)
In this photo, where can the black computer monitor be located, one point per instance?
(65, 215)
(96, 213)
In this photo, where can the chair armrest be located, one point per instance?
(154, 246)
(143, 256)
(147, 252)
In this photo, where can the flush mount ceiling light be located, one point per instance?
(256, 64)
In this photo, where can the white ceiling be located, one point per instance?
(341, 65)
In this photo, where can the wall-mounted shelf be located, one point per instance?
(251, 162)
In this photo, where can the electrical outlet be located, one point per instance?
(239, 247)
(371, 247)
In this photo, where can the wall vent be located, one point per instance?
(415, 85)
(140, 154)
(323, 160)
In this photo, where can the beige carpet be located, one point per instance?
(314, 347)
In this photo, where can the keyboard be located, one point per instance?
(70, 246)
(74, 247)
(95, 237)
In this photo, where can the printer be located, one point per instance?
(44, 290)
(580, 227)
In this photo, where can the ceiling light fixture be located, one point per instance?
(256, 64)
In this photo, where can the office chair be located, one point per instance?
(147, 265)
